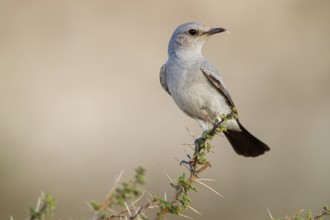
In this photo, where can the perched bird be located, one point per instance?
(199, 90)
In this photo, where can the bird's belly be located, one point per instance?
(200, 101)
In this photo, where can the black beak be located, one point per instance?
(214, 31)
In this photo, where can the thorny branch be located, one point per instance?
(180, 199)
(304, 215)
(130, 190)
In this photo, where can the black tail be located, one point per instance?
(245, 144)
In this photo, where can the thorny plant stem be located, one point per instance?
(196, 167)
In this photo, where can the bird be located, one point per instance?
(199, 90)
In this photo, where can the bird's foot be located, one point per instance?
(191, 166)
(198, 143)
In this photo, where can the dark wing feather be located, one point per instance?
(215, 79)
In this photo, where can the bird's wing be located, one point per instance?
(162, 77)
(216, 80)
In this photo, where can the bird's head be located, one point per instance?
(190, 37)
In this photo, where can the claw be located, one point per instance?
(191, 166)
(198, 142)
(185, 162)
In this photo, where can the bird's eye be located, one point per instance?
(193, 32)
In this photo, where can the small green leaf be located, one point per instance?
(95, 205)
(309, 215)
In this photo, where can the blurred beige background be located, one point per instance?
(80, 100)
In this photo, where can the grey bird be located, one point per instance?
(199, 90)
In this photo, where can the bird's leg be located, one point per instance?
(186, 162)
(198, 142)
(200, 145)
(191, 165)
(193, 161)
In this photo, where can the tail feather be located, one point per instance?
(245, 144)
